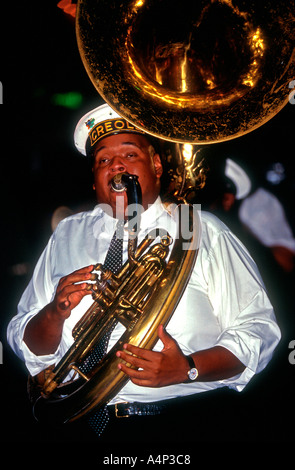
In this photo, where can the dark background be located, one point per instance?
(41, 170)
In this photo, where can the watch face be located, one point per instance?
(193, 374)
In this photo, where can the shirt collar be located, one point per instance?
(148, 217)
(152, 214)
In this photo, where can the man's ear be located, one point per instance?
(93, 186)
(158, 165)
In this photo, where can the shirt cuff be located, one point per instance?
(247, 349)
(36, 364)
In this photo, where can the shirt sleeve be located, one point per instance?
(239, 299)
(38, 293)
(264, 216)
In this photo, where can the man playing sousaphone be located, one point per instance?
(221, 334)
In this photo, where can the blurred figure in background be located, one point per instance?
(264, 217)
(257, 216)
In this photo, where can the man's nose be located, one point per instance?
(118, 164)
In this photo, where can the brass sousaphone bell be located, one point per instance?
(195, 71)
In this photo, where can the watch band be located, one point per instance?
(193, 372)
(191, 362)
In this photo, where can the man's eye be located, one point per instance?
(103, 161)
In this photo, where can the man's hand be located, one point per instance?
(157, 369)
(70, 291)
(43, 332)
(170, 366)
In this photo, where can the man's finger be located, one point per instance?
(140, 352)
(166, 339)
(133, 360)
(83, 274)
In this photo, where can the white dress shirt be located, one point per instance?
(224, 304)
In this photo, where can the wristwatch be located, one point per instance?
(193, 372)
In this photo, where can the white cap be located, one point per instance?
(239, 177)
(99, 123)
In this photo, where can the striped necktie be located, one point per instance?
(113, 261)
